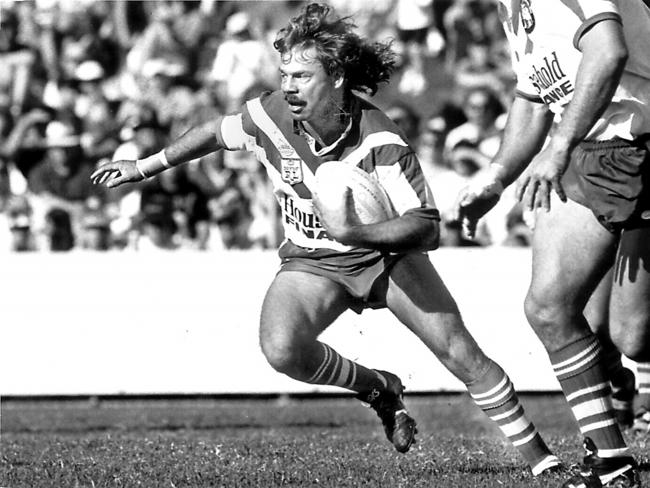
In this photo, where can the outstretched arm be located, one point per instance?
(196, 142)
(524, 135)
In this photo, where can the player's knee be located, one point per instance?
(281, 356)
(547, 315)
(632, 337)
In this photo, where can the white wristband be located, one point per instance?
(152, 165)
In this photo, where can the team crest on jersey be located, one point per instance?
(527, 16)
(291, 170)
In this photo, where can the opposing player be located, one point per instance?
(330, 266)
(586, 63)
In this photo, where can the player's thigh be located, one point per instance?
(418, 297)
(571, 253)
(298, 306)
(630, 302)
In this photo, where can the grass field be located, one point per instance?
(328, 442)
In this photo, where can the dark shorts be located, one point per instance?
(612, 179)
(367, 286)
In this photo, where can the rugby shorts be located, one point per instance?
(612, 179)
(367, 286)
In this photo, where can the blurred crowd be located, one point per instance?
(83, 81)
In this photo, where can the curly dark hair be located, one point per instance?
(364, 64)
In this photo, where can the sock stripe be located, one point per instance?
(548, 462)
(344, 372)
(517, 428)
(602, 387)
(495, 397)
(580, 369)
(560, 361)
(491, 391)
(593, 407)
(495, 394)
(516, 410)
(597, 425)
(337, 361)
(352, 375)
(326, 359)
(578, 363)
(525, 440)
(611, 453)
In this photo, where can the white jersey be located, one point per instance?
(544, 37)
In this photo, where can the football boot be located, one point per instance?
(597, 472)
(399, 426)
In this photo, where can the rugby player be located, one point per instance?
(584, 63)
(330, 265)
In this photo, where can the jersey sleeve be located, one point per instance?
(590, 12)
(232, 132)
(238, 131)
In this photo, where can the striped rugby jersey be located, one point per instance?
(372, 142)
(544, 36)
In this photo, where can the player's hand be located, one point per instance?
(472, 204)
(338, 225)
(116, 173)
(543, 175)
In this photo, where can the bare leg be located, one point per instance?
(571, 254)
(419, 299)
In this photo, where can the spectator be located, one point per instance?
(58, 230)
(241, 62)
(477, 139)
(173, 195)
(172, 100)
(156, 229)
(17, 61)
(482, 69)
(61, 180)
(467, 22)
(19, 224)
(96, 231)
(407, 119)
(471, 146)
(229, 220)
(433, 136)
(414, 23)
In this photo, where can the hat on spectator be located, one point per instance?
(19, 222)
(162, 67)
(58, 134)
(89, 71)
(237, 22)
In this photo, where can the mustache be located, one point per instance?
(291, 99)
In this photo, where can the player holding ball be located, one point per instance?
(335, 264)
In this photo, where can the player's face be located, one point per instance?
(312, 94)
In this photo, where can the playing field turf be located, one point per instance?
(329, 442)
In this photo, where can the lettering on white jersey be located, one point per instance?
(550, 81)
(302, 227)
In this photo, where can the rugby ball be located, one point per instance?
(370, 201)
